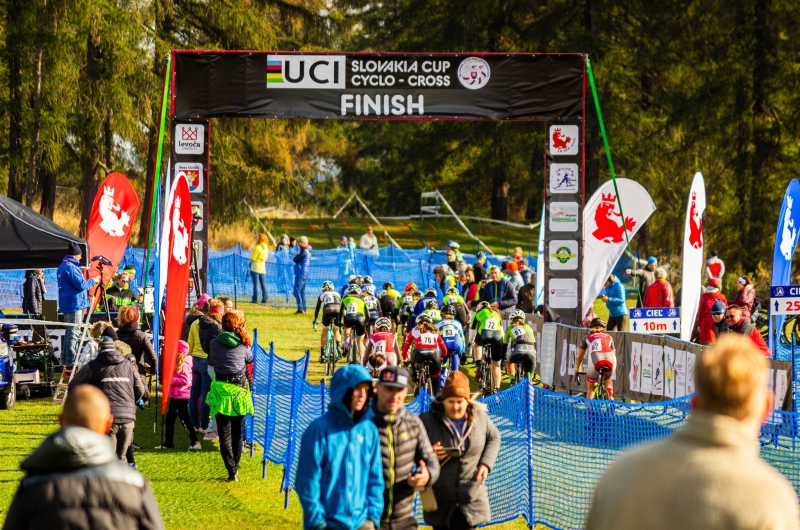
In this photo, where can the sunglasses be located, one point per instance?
(729, 317)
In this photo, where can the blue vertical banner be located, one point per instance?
(158, 288)
(785, 244)
(539, 292)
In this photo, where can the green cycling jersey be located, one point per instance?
(435, 314)
(486, 319)
(523, 333)
(453, 299)
(353, 307)
(388, 293)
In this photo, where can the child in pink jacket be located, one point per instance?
(179, 400)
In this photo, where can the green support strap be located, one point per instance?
(157, 169)
(610, 162)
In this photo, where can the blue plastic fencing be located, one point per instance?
(229, 272)
(554, 447)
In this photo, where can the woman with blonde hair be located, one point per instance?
(467, 443)
(202, 332)
(258, 268)
(229, 397)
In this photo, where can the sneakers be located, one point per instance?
(322, 356)
(160, 447)
(211, 436)
(233, 476)
(135, 447)
(200, 430)
(196, 447)
(511, 380)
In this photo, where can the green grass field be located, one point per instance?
(326, 233)
(190, 487)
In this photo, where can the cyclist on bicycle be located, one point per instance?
(405, 303)
(432, 310)
(519, 345)
(381, 347)
(388, 299)
(350, 281)
(488, 325)
(429, 348)
(367, 280)
(453, 298)
(430, 294)
(354, 312)
(373, 305)
(330, 302)
(452, 334)
(602, 354)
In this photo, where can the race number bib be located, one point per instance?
(428, 339)
(518, 332)
(596, 345)
(434, 314)
(352, 308)
(449, 331)
(379, 347)
(372, 304)
(408, 299)
(492, 325)
(329, 300)
(451, 300)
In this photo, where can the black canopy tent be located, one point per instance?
(29, 240)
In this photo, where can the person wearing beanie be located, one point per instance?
(340, 474)
(718, 314)
(72, 299)
(659, 294)
(302, 262)
(705, 322)
(466, 443)
(179, 400)
(512, 271)
(119, 381)
(404, 445)
(647, 276)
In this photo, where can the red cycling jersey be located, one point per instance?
(424, 341)
(383, 342)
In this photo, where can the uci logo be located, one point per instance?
(306, 71)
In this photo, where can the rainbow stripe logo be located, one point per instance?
(274, 71)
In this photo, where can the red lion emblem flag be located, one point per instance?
(609, 230)
(695, 224)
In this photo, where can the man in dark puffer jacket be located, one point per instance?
(116, 377)
(404, 444)
(74, 480)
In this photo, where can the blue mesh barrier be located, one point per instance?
(554, 447)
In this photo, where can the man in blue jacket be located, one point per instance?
(72, 299)
(499, 292)
(340, 473)
(302, 261)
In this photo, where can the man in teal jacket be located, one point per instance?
(340, 473)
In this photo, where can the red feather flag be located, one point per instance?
(110, 224)
(176, 247)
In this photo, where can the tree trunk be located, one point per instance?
(500, 184)
(91, 128)
(47, 181)
(14, 47)
(37, 109)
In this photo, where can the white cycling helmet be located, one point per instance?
(354, 289)
(369, 289)
(518, 314)
(367, 279)
(327, 286)
(383, 322)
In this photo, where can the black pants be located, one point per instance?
(457, 522)
(616, 323)
(178, 408)
(431, 358)
(229, 429)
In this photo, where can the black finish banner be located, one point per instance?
(462, 86)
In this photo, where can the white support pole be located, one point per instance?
(458, 220)
(344, 205)
(375, 220)
(253, 213)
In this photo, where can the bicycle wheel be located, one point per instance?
(428, 382)
(600, 391)
(352, 354)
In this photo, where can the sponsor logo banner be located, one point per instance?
(692, 283)
(189, 138)
(562, 293)
(564, 178)
(194, 175)
(564, 139)
(563, 255)
(564, 216)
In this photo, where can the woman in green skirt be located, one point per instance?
(229, 397)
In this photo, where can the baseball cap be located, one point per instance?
(304, 240)
(652, 260)
(394, 377)
(481, 255)
(718, 308)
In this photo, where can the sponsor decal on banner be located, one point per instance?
(604, 232)
(564, 139)
(197, 212)
(189, 138)
(692, 286)
(680, 373)
(306, 71)
(781, 386)
(658, 370)
(563, 254)
(690, 360)
(563, 178)
(563, 293)
(177, 235)
(785, 244)
(540, 264)
(110, 223)
(474, 73)
(564, 216)
(669, 371)
(573, 358)
(194, 175)
(646, 385)
(563, 370)
(635, 374)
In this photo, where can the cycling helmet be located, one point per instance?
(410, 287)
(388, 285)
(518, 315)
(423, 318)
(327, 286)
(352, 279)
(417, 293)
(483, 305)
(367, 279)
(359, 280)
(452, 290)
(448, 310)
(369, 289)
(432, 304)
(354, 289)
(383, 322)
(430, 291)
(597, 322)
